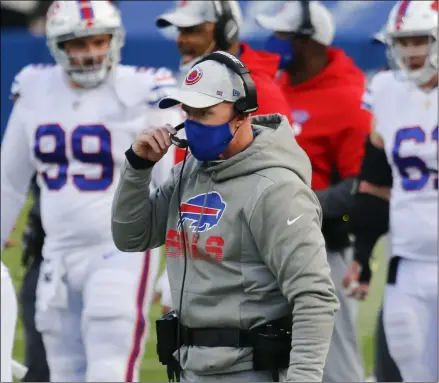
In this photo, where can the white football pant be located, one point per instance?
(92, 310)
(8, 322)
(411, 320)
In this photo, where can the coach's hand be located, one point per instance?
(153, 143)
(355, 283)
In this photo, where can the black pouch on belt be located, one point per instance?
(272, 346)
(167, 329)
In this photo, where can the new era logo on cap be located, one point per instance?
(193, 76)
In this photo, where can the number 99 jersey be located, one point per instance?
(407, 119)
(76, 141)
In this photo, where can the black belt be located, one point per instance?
(230, 337)
(216, 337)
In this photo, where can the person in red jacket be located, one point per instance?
(324, 90)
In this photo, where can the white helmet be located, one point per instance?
(414, 18)
(67, 20)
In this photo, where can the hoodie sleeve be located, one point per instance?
(138, 217)
(17, 169)
(289, 238)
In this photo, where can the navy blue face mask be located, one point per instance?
(207, 142)
(282, 47)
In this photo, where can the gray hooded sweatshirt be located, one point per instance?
(255, 250)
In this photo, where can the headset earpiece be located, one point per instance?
(240, 105)
(226, 28)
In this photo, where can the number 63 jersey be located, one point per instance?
(75, 139)
(407, 119)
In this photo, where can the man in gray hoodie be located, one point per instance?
(240, 224)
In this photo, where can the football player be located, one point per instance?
(398, 190)
(72, 123)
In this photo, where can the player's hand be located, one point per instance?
(153, 143)
(351, 282)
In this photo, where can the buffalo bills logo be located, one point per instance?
(194, 76)
(204, 211)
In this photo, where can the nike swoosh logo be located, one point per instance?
(293, 220)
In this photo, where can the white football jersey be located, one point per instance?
(76, 141)
(407, 120)
(3, 270)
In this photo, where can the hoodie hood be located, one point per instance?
(342, 70)
(340, 73)
(259, 62)
(273, 147)
(264, 67)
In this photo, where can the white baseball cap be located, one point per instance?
(289, 19)
(190, 13)
(206, 84)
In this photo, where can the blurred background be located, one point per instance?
(23, 43)
(22, 35)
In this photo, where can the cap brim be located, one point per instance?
(272, 23)
(192, 99)
(177, 19)
(378, 38)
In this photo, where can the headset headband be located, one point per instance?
(226, 28)
(306, 28)
(248, 103)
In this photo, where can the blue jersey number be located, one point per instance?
(404, 163)
(58, 156)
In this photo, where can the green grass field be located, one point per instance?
(152, 370)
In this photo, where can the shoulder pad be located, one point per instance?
(381, 80)
(163, 81)
(136, 85)
(27, 78)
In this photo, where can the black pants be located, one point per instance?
(35, 354)
(385, 368)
